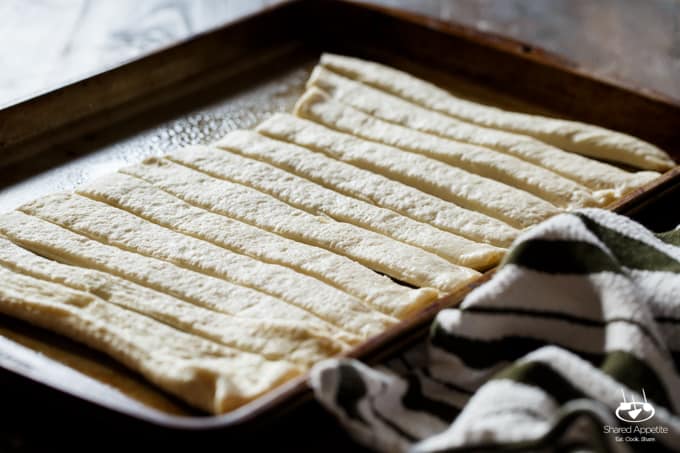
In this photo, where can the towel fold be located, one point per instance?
(574, 344)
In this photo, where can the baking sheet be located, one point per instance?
(110, 150)
(215, 105)
(241, 103)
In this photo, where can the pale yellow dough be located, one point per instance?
(273, 339)
(377, 189)
(156, 205)
(588, 172)
(500, 201)
(54, 242)
(317, 106)
(571, 136)
(206, 374)
(116, 227)
(400, 261)
(318, 200)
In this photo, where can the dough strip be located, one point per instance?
(571, 136)
(400, 261)
(154, 204)
(318, 106)
(208, 375)
(588, 172)
(119, 228)
(500, 201)
(318, 200)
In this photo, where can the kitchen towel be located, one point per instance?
(573, 345)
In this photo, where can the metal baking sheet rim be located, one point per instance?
(26, 362)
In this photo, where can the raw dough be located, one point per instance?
(317, 106)
(379, 190)
(206, 374)
(60, 244)
(152, 203)
(588, 172)
(571, 136)
(516, 207)
(273, 339)
(400, 261)
(119, 228)
(318, 200)
(220, 273)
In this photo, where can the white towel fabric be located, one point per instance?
(584, 311)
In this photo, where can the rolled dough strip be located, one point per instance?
(318, 200)
(122, 229)
(588, 172)
(60, 244)
(154, 204)
(571, 136)
(317, 106)
(378, 252)
(273, 339)
(497, 200)
(381, 191)
(203, 373)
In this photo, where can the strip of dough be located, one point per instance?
(588, 172)
(317, 200)
(116, 227)
(382, 191)
(516, 207)
(205, 374)
(60, 244)
(107, 372)
(572, 136)
(154, 204)
(318, 106)
(274, 339)
(378, 252)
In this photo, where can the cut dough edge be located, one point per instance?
(198, 371)
(571, 136)
(377, 291)
(126, 231)
(109, 373)
(607, 180)
(319, 106)
(350, 241)
(297, 342)
(236, 165)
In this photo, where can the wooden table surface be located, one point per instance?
(46, 43)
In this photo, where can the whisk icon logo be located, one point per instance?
(634, 411)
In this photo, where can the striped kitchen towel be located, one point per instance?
(574, 345)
